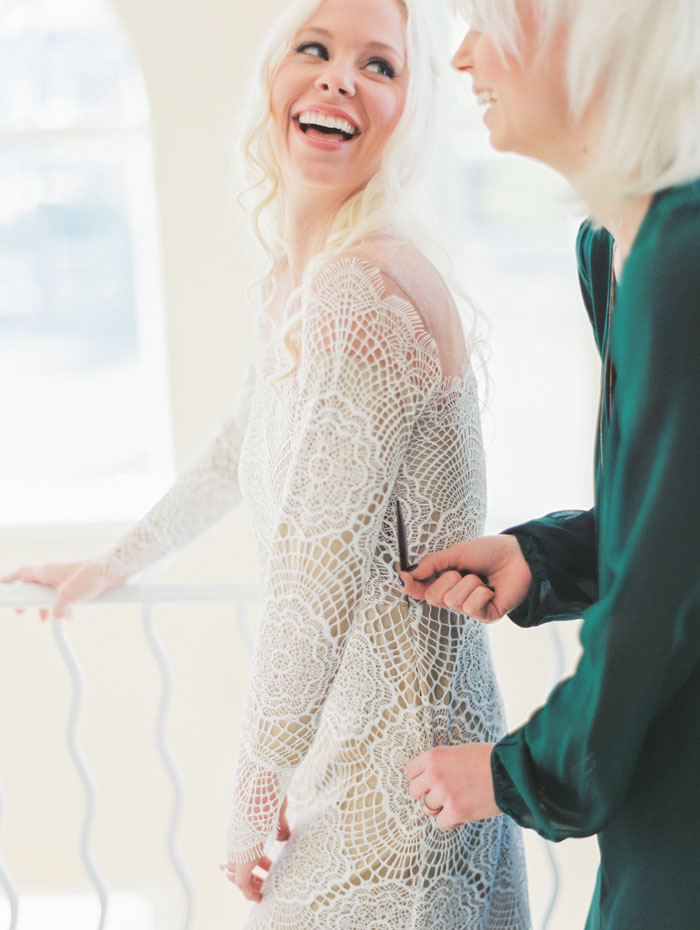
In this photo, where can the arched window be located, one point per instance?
(82, 375)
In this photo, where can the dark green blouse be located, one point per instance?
(616, 748)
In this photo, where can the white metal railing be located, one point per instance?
(238, 593)
(5, 877)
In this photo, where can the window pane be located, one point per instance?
(68, 327)
(66, 64)
(81, 368)
(515, 221)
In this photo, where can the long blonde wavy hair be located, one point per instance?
(380, 204)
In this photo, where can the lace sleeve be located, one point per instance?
(203, 494)
(366, 369)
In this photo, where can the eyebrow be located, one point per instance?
(379, 46)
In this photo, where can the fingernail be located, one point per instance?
(402, 582)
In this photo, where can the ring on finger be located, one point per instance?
(431, 811)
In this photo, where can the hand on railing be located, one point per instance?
(73, 581)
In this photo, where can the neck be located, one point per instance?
(307, 216)
(572, 159)
(623, 221)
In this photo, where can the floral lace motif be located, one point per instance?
(349, 681)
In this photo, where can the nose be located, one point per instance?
(463, 58)
(336, 80)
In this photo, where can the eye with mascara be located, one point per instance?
(381, 66)
(315, 49)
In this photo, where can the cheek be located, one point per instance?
(275, 102)
(283, 89)
(555, 93)
(387, 109)
(488, 64)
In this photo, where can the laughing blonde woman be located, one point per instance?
(359, 396)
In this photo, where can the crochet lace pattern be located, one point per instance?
(349, 680)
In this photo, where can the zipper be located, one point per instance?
(606, 387)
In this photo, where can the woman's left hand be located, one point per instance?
(243, 875)
(454, 783)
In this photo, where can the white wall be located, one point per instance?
(196, 58)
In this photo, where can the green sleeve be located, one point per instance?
(568, 769)
(560, 551)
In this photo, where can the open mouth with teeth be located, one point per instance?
(486, 98)
(320, 126)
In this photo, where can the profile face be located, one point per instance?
(525, 98)
(338, 95)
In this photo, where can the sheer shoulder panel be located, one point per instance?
(420, 281)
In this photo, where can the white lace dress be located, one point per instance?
(349, 681)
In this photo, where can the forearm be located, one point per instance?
(312, 589)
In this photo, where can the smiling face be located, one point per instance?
(338, 95)
(526, 102)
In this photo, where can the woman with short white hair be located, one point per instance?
(360, 396)
(608, 94)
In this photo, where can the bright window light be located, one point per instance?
(83, 404)
(510, 224)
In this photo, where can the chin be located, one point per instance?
(330, 182)
(331, 179)
(501, 144)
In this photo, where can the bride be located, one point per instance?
(359, 394)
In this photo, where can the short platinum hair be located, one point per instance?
(645, 57)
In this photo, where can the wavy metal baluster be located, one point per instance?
(6, 878)
(169, 761)
(557, 672)
(71, 661)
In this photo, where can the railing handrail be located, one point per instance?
(162, 592)
(144, 595)
(147, 594)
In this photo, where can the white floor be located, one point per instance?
(80, 912)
